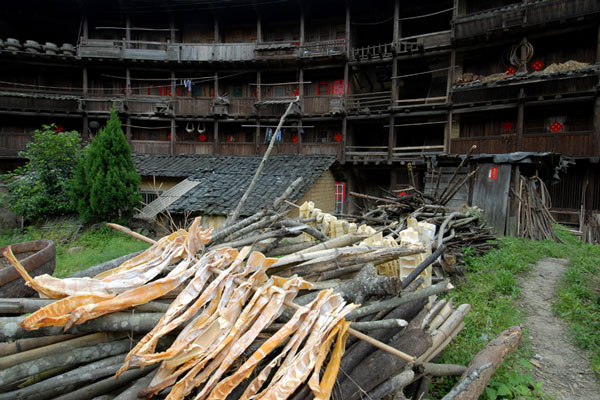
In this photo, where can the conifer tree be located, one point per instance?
(111, 188)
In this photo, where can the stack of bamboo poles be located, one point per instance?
(81, 363)
(534, 218)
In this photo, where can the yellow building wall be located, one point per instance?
(149, 183)
(322, 193)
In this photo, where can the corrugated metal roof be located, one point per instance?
(167, 198)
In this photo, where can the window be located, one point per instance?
(340, 197)
(237, 91)
(323, 89)
(148, 196)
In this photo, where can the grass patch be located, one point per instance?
(579, 299)
(491, 287)
(99, 245)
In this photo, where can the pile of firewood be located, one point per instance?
(534, 219)
(206, 315)
(398, 323)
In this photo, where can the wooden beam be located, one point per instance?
(128, 28)
(84, 80)
(172, 31)
(302, 24)
(216, 137)
(391, 132)
(397, 22)
(598, 46)
(85, 27)
(347, 33)
(596, 125)
(520, 125)
(448, 133)
(258, 97)
(344, 137)
(258, 28)
(128, 134)
(84, 131)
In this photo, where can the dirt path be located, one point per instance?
(565, 370)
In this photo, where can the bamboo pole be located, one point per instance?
(34, 354)
(129, 232)
(20, 345)
(263, 162)
(351, 331)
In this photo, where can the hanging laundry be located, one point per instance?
(278, 138)
(268, 135)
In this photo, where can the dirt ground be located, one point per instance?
(563, 368)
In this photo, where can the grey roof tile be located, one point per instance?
(224, 179)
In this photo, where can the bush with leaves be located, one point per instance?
(41, 187)
(105, 185)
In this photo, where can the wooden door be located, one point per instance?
(490, 193)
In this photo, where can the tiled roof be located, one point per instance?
(224, 179)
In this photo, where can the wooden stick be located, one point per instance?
(456, 171)
(263, 162)
(21, 345)
(351, 331)
(33, 354)
(129, 232)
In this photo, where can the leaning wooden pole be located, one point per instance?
(238, 208)
(351, 331)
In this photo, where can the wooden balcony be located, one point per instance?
(209, 52)
(522, 15)
(277, 49)
(12, 142)
(242, 106)
(194, 148)
(367, 103)
(150, 146)
(424, 43)
(165, 51)
(326, 48)
(485, 145)
(374, 52)
(533, 86)
(320, 105)
(39, 102)
(579, 143)
(380, 154)
(193, 106)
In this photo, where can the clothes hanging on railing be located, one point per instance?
(268, 135)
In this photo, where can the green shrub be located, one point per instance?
(41, 187)
(106, 184)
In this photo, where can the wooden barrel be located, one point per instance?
(38, 257)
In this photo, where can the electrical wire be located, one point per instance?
(118, 89)
(373, 23)
(427, 15)
(422, 73)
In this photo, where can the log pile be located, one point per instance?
(534, 218)
(231, 325)
(205, 315)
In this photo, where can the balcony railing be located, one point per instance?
(522, 14)
(224, 52)
(378, 154)
(374, 52)
(426, 42)
(369, 102)
(326, 48)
